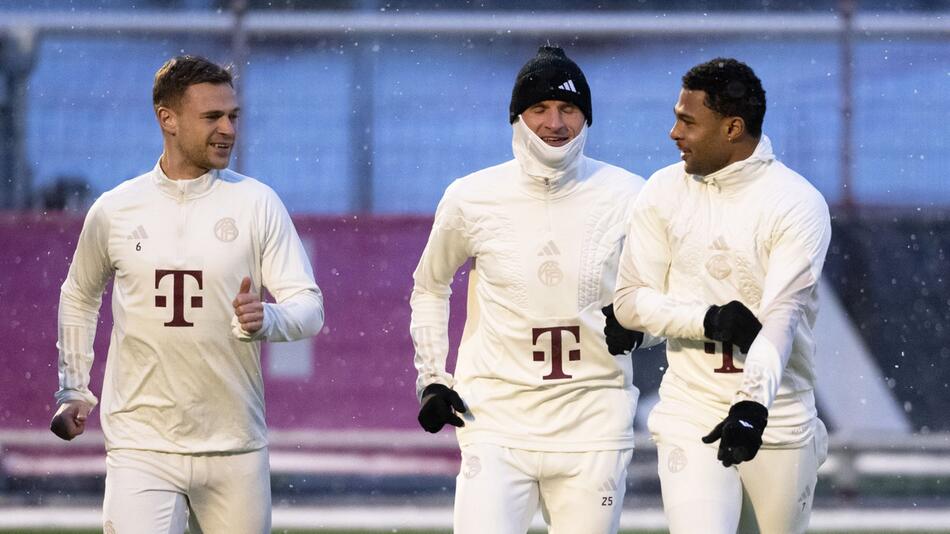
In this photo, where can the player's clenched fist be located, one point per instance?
(70, 419)
(248, 307)
(732, 323)
(619, 339)
(439, 406)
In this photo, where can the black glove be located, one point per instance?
(740, 433)
(619, 339)
(438, 401)
(732, 323)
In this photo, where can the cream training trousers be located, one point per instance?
(771, 494)
(499, 489)
(159, 493)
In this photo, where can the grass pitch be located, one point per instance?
(399, 531)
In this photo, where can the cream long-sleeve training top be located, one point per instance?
(754, 231)
(533, 367)
(181, 374)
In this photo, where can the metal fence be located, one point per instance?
(359, 111)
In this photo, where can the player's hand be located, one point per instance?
(619, 339)
(732, 323)
(439, 406)
(248, 307)
(740, 433)
(70, 419)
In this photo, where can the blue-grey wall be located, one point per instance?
(440, 111)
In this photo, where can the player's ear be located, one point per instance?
(735, 127)
(167, 119)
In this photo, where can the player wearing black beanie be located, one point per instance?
(550, 75)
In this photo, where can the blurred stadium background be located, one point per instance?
(360, 112)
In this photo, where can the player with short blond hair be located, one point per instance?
(190, 246)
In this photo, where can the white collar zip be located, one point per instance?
(182, 190)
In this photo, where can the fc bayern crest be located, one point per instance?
(718, 266)
(677, 460)
(226, 230)
(550, 273)
(473, 466)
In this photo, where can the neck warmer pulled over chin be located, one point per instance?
(543, 161)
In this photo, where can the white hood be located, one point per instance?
(543, 161)
(742, 171)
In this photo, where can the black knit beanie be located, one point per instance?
(550, 75)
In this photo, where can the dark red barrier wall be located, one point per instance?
(361, 373)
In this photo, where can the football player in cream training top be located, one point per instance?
(190, 246)
(544, 412)
(723, 257)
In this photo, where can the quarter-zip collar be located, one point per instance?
(740, 173)
(184, 189)
(547, 171)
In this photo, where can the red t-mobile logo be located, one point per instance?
(178, 294)
(557, 357)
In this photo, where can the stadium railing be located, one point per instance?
(855, 467)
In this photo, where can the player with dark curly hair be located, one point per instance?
(723, 257)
